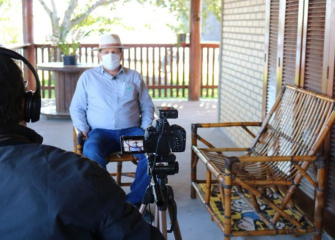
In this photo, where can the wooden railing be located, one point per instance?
(19, 48)
(164, 67)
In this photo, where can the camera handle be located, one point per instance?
(162, 195)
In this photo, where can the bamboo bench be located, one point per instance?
(288, 142)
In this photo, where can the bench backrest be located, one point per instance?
(297, 124)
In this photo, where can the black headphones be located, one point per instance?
(32, 108)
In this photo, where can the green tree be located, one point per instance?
(11, 32)
(78, 15)
(181, 10)
(75, 16)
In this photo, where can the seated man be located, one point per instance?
(48, 193)
(111, 101)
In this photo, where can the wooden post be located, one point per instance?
(195, 51)
(28, 38)
(320, 193)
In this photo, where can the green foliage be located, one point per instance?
(181, 10)
(80, 17)
(99, 24)
(71, 47)
(68, 48)
(11, 31)
(211, 6)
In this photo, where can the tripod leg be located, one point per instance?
(156, 222)
(176, 231)
(142, 209)
(164, 202)
(147, 198)
(172, 208)
(162, 223)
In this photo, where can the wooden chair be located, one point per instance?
(286, 145)
(116, 157)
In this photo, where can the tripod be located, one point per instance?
(162, 194)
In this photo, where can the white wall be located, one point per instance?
(241, 69)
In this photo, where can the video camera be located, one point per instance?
(163, 138)
(159, 141)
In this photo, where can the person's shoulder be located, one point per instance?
(133, 74)
(44, 155)
(92, 70)
(70, 163)
(90, 74)
(52, 152)
(130, 71)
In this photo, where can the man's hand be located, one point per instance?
(84, 134)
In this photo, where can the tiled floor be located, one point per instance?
(194, 220)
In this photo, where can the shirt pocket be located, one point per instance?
(128, 90)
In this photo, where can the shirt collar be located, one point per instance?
(122, 70)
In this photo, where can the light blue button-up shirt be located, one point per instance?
(103, 101)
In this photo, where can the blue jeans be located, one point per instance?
(101, 142)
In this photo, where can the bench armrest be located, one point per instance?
(244, 125)
(226, 124)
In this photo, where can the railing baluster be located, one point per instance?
(129, 59)
(142, 62)
(177, 71)
(153, 82)
(184, 73)
(135, 58)
(213, 71)
(43, 75)
(165, 70)
(170, 81)
(147, 74)
(159, 66)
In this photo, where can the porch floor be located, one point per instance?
(193, 218)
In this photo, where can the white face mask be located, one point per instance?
(111, 61)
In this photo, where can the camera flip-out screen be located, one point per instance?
(132, 144)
